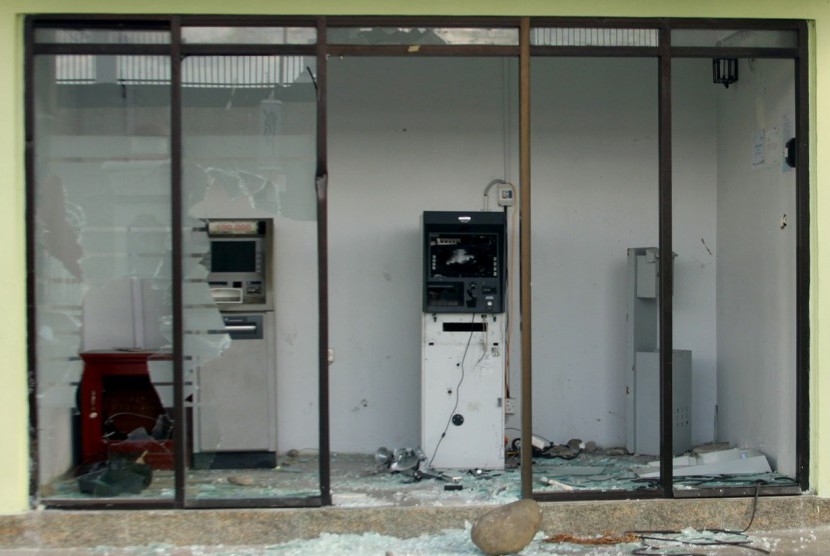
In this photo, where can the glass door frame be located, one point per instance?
(799, 54)
(664, 52)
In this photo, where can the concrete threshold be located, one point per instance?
(50, 529)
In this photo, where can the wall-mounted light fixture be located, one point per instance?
(724, 71)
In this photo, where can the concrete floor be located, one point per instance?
(782, 525)
(389, 515)
(803, 542)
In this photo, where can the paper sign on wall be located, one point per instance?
(759, 148)
(773, 146)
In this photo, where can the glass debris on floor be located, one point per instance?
(456, 542)
(396, 478)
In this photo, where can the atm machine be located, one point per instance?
(643, 363)
(463, 339)
(234, 417)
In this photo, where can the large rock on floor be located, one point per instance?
(508, 528)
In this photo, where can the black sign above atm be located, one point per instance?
(464, 262)
(240, 263)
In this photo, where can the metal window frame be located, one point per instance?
(176, 51)
(524, 52)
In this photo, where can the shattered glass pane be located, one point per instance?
(249, 146)
(102, 248)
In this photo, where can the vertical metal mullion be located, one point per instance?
(31, 314)
(524, 251)
(802, 200)
(666, 261)
(321, 179)
(176, 254)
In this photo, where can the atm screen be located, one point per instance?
(233, 256)
(459, 255)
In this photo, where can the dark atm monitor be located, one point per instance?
(464, 262)
(237, 256)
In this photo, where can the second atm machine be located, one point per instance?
(234, 418)
(462, 365)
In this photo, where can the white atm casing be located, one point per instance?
(477, 443)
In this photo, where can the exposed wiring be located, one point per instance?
(487, 189)
(665, 542)
(131, 414)
(511, 235)
(742, 540)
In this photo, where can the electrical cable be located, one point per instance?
(131, 414)
(509, 269)
(742, 542)
(457, 393)
(651, 549)
(158, 440)
(510, 259)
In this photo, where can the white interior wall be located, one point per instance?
(434, 135)
(756, 263)
(405, 135)
(432, 138)
(694, 199)
(595, 193)
(594, 183)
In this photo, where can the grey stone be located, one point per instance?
(562, 451)
(242, 480)
(508, 528)
(574, 444)
(591, 447)
(616, 452)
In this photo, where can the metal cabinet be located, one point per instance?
(235, 400)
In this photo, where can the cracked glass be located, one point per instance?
(103, 276)
(249, 240)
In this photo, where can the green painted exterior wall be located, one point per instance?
(14, 465)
